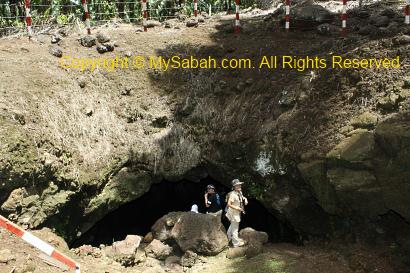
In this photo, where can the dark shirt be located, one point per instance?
(213, 203)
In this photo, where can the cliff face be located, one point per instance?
(326, 151)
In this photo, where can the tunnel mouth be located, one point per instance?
(138, 216)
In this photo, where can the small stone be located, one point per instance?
(88, 41)
(401, 40)
(128, 54)
(191, 23)
(6, 256)
(55, 51)
(55, 39)
(201, 19)
(101, 49)
(249, 81)
(167, 25)
(152, 23)
(81, 84)
(126, 91)
(63, 32)
(102, 38)
(109, 46)
(89, 112)
(189, 258)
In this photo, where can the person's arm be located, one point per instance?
(206, 200)
(230, 204)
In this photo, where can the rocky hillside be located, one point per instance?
(325, 150)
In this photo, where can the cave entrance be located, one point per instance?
(138, 216)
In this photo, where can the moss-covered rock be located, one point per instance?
(365, 120)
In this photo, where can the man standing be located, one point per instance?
(236, 206)
(212, 201)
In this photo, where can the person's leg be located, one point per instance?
(229, 232)
(235, 235)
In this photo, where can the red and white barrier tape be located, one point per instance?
(28, 19)
(237, 22)
(39, 244)
(407, 13)
(344, 16)
(287, 15)
(196, 10)
(87, 16)
(144, 14)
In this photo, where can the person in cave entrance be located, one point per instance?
(212, 201)
(235, 207)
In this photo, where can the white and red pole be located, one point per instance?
(86, 16)
(38, 243)
(144, 14)
(237, 22)
(196, 10)
(344, 16)
(28, 19)
(287, 15)
(407, 13)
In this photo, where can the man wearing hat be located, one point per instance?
(236, 206)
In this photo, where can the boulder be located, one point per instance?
(252, 236)
(55, 51)
(348, 180)
(158, 250)
(313, 13)
(236, 252)
(402, 40)
(327, 29)
(161, 230)
(14, 201)
(353, 150)
(366, 120)
(388, 102)
(50, 237)
(201, 233)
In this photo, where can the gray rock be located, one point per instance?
(201, 233)
(402, 40)
(367, 30)
(388, 12)
(191, 23)
(152, 23)
(158, 250)
(55, 51)
(252, 236)
(55, 39)
(380, 21)
(161, 230)
(327, 29)
(6, 256)
(102, 37)
(189, 259)
(88, 41)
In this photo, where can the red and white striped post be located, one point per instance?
(86, 16)
(407, 13)
(144, 14)
(237, 22)
(344, 17)
(196, 11)
(39, 244)
(287, 15)
(28, 19)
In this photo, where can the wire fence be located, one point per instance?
(67, 12)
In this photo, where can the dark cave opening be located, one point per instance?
(138, 216)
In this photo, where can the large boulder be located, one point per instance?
(161, 230)
(252, 236)
(201, 233)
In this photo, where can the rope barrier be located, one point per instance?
(38, 243)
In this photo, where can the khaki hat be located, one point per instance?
(236, 182)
